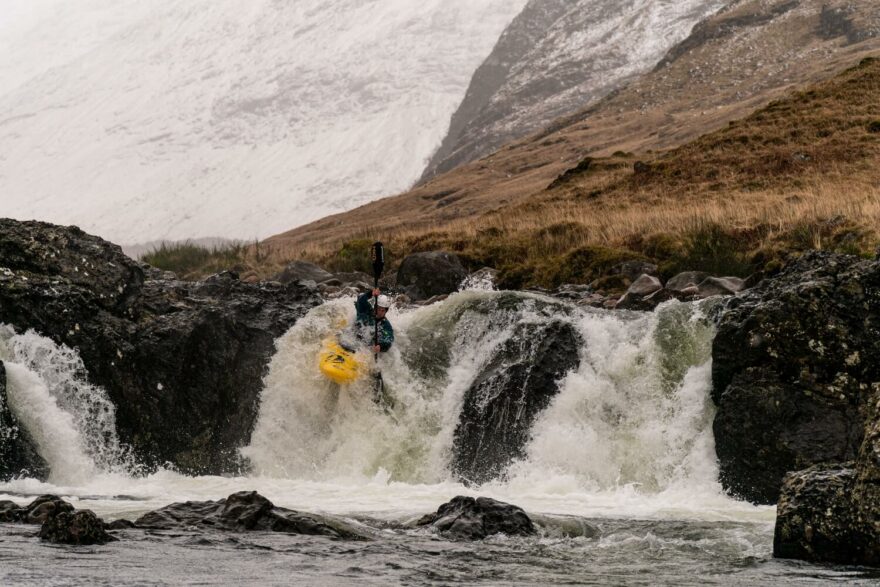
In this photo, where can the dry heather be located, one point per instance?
(801, 173)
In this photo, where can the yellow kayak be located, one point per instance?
(337, 364)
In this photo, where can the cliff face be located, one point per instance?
(556, 57)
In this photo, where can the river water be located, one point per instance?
(620, 472)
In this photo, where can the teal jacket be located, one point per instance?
(366, 320)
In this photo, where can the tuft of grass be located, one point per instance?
(191, 261)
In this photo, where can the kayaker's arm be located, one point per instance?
(364, 308)
(386, 335)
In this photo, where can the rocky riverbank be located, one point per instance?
(794, 369)
(182, 361)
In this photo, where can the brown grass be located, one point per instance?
(802, 173)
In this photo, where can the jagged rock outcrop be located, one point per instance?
(425, 275)
(555, 58)
(466, 518)
(794, 361)
(244, 511)
(517, 384)
(183, 362)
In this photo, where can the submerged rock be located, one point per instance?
(793, 362)
(425, 275)
(466, 518)
(80, 528)
(182, 361)
(500, 407)
(244, 511)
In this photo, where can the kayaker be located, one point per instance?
(367, 318)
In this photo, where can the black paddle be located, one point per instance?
(377, 254)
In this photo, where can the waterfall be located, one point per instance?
(635, 413)
(71, 422)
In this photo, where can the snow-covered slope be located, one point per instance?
(557, 57)
(192, 118)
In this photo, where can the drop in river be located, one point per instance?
(625, 448)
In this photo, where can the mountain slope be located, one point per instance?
(738, 60)
(559, 56)
(196, 118)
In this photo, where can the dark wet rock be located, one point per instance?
(813, 518)
(302, 271)
(793, 362)
(9, 512)
(424, 275)
(120, 524)
(244, 511)
(182, 361)
(685, 280)
(467, 518)
(79, 528)
(831, 513)
(36, 512)
(43, 508)
(517, 384)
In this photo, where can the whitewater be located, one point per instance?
(625, 447)
(209, 118)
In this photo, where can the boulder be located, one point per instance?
(518, 383)
(645, 294)
(719, 286)
(793, 359)
(633, 270)
(302, 271)
(645, 285)
(182, 361)
(813, 518)
(43, 508)
(10, 512)
(78, 528)
(831, 513)
(466, 518)
(241, 512)
(685, 280)
(424, 275)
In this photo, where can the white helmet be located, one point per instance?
(383, 301)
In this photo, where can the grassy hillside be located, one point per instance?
(800, 173)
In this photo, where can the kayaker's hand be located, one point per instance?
(376, 292)
(377, 349)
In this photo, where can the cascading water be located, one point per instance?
(72, 423)
(635, 415)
